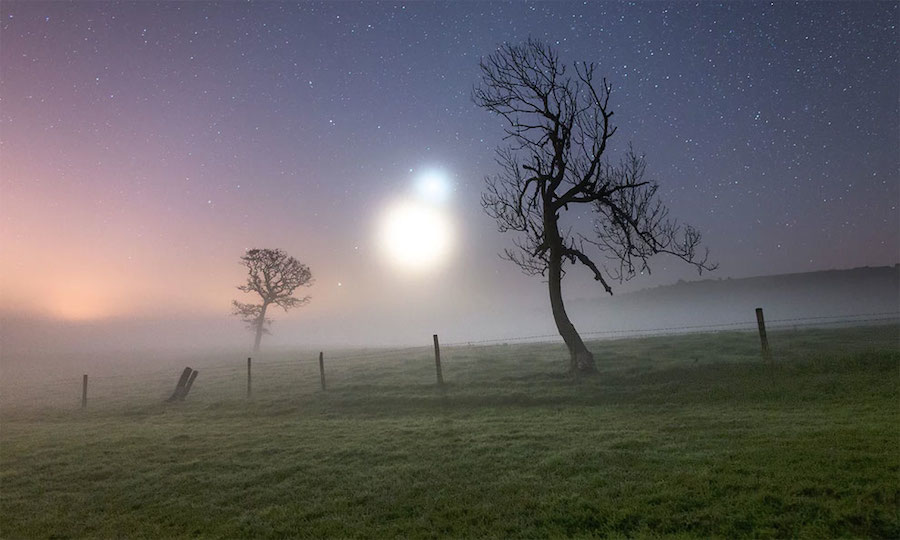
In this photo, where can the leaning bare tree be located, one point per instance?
(559, 125)
(273, 275)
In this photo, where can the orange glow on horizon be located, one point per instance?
(82, 300)
(75, 309)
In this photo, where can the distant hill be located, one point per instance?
(829, 293)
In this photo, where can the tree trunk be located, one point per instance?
(581, 360)
(260, 326)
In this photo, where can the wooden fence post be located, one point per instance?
(179, 388)
(761, 323)
(437, 362)
(187, 387)
(322, 369)
(248, 377)
(84, 391)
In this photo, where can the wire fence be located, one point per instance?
(355, 367)
(774, 324)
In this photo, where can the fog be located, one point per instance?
(51, 349)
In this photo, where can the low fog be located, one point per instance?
(51, 349)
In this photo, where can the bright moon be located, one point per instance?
(416, 235)
(433, 186)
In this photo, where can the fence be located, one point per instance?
(294, 375)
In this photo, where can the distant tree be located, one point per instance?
(273, 275)
(559, 126)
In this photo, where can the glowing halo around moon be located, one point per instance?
(416, 233)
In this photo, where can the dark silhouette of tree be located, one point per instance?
(559, 125)
(273, 275)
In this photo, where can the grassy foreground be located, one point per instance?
(676, 436)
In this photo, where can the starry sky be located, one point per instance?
(144, 146)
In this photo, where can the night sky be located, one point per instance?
(145, 146)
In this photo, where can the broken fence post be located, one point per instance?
(249, 388)
(179, 388)
(322, 369)
(84, 391)
(187, 387)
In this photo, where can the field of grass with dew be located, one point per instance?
(689, 435)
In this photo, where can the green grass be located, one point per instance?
(676, 436)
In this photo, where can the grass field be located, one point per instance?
(676, 436)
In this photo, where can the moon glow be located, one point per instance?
(416, 235)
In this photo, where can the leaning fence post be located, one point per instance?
(179, 388)
(322, 369)
(764, 341)
(187, 387)
(84, 391)
(437, 362)
(248, 377)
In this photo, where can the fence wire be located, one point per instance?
(160, 382)
(774, 324)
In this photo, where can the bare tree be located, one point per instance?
(273, 275)
(559, 125)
